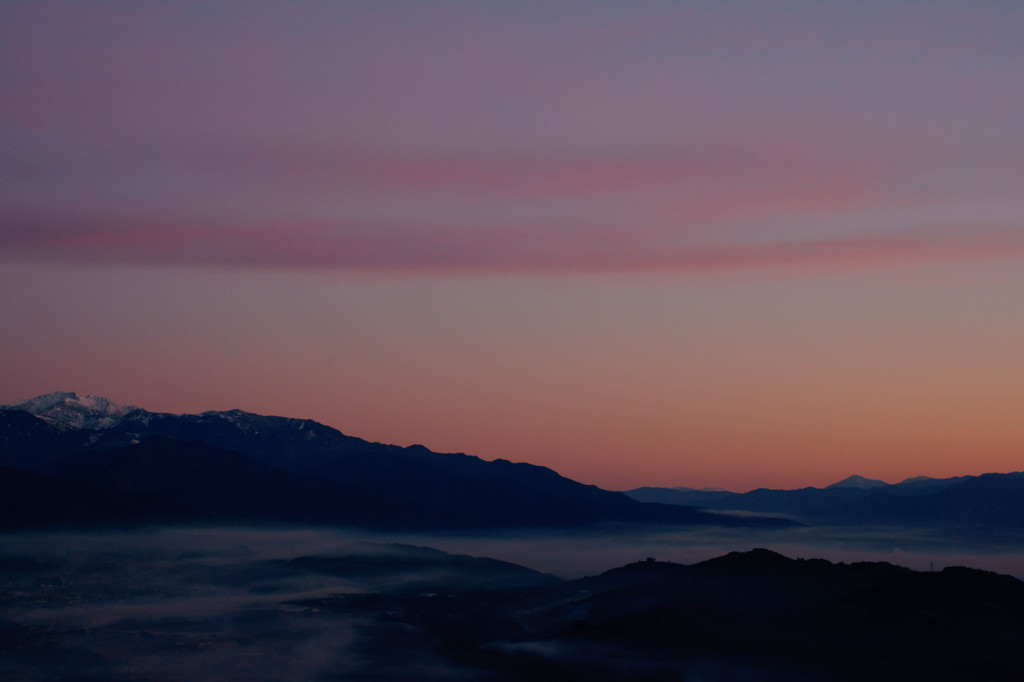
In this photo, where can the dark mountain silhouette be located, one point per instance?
(989, 501)
(856, 481)
(692, 497)
(755, 615)
(206, 482)
(29, 443)
(244, 467)
(212, 484)
(30, 500)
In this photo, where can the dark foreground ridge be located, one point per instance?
(745, 616)
(73, 461)
(368, 611)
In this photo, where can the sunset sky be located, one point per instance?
(668, 243)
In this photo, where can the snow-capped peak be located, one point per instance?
(69, 411)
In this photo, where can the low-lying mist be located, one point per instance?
(567, 553)
(232, 603)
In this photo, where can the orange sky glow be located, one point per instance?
(642, 244)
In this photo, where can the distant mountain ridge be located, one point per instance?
(856, 481)
(986, 502)
(239, 466)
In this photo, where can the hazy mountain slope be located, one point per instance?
(684, 496)
(990, 500)
(802, 502)
(413, 569)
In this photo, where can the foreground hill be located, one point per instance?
(745, 616)
(125, 607)
(237, 466)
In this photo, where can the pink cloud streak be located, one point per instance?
(536, 197)
(390, 247)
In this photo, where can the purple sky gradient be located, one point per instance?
(729, 244)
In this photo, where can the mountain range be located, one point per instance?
(67, 459)
(989, 501)
(85, 460)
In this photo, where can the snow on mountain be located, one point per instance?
(67, 411)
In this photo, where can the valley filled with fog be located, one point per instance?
(248, 603)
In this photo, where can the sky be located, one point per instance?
(704, 244)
